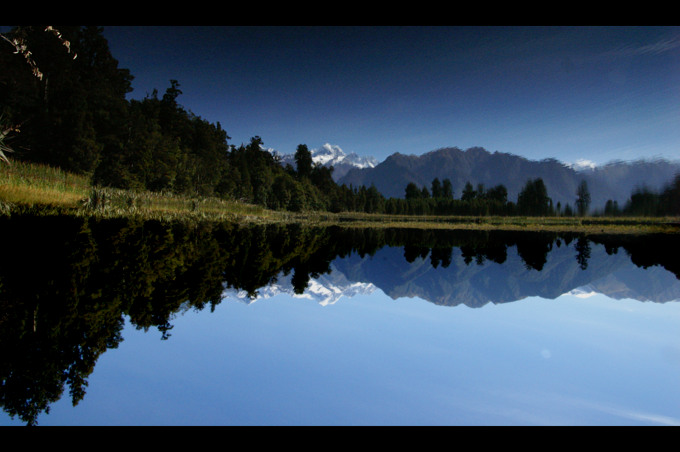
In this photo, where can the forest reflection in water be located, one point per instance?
(68, 284)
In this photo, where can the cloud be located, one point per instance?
(656, 48)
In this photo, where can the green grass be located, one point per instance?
(33, 184)
(110, 202)
(632, 225)
(42, 189)
(27, 187)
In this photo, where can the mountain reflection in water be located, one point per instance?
(460, 275)
(67, 284)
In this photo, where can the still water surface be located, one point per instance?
(156, 324)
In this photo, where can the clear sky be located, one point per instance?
(595, 93)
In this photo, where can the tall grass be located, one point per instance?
(111, 202)
(35, 184)
(51, 190)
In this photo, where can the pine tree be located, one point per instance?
(412, 191)
(437, 191)
(303, 160)
(447, 189)
(533, 199)
(582, 198)
(468, 192)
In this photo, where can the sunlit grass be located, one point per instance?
(43, 189)
(166, 206)
(34, 195)
(26, 185)
(33, 184)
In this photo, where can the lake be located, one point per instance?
(131, 322)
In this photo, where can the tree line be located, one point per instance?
(533, 200)
(439, 199)
(63, 103)
(647, 202)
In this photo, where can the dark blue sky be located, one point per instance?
(595, 93)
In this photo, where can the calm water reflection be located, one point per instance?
(143, 323)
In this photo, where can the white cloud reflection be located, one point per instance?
(563, 409)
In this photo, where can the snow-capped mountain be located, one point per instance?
(329, 154)
(582, 165)
(332, 155)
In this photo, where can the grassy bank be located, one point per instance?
(42, 189)
(594, 225)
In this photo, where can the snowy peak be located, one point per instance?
(582, 165)
(328, 154)
(332, 155)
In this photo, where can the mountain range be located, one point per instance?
(477, 284)
(615, 180)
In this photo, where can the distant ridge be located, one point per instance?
(615, 180)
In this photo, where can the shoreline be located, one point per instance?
(41, 190)
(249, 215)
